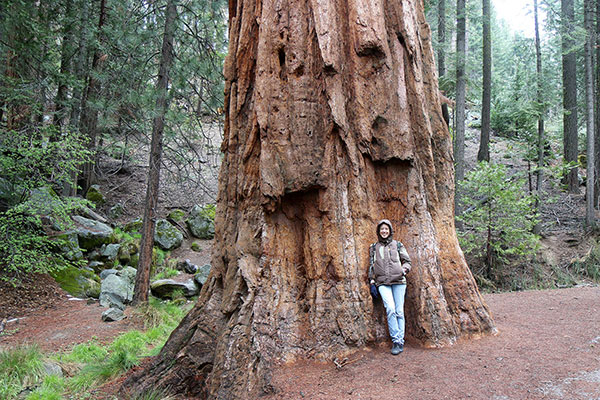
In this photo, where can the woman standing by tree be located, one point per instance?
(388, 265)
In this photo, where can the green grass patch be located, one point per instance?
(165, 273)
(20, 368)
(589, 267)
(90, 364)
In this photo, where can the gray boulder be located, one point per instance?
(166, 288)
(187, 267)
(128, 274)
(91, 233)
(166, 236)
(52, 369)
(202, 275)
(110, 251)
(115, 291)
(113, 314)
(107, 272)
(200, 225)
(70, 248)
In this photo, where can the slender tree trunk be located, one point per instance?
(459, 137)
(441, 55)
(589, 101)
(142, 278)
(569, 74)
(315, 152)
(80, 63)
(3, 59)
(79, 68)
(541, 140)
(597, 109)
(40, 73)
(484, 143)
(60, 105)
(89, 113)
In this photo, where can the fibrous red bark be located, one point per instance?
(333, 121)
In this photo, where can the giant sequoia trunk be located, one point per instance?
(333, 122)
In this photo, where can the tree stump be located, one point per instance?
(333, 121)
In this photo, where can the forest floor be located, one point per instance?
(548, 345)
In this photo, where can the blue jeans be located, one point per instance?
(393, 300)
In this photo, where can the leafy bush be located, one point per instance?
(498, 218)
(31, 165)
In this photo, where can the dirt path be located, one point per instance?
(40, 312)
(548, 348)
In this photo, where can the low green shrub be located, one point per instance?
(497, 220)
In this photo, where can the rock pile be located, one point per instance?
(108, 256)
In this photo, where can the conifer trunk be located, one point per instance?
(589, 107)
(441, 55)
(333, 121)
(541, 140)
(569, 73)
(142, 277)
(461, 55)
(486, 101)
(89, 113)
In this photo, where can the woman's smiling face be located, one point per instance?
(384, 231)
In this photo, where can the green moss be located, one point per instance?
(176, 215)
(93, 194)
(78, 282)
(133, 225)
(196, 247)
(209, 211)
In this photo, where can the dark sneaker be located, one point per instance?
(397, 348)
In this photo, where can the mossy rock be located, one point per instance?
(201, 222)
(78, 282)
(116, 211)
(176, 215)
(95, 196)
(135, 260)
(196, 247)
(70, 246)
(134, 225)
(167, 236)
(124, 255)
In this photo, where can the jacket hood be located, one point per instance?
(389, 238)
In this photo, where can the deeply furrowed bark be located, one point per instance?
(333, 121)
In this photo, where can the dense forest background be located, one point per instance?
(78, 106)
(112, 115)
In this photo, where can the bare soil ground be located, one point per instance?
(40, 312)
(548, 347)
